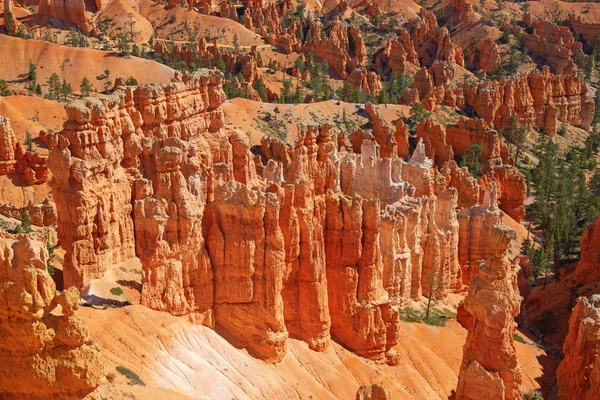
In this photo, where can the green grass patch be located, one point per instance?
(437, 316)
(519, 338)
(132, 376)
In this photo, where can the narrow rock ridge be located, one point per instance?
(309, 240)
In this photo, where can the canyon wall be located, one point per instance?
(490, 368)
(578, 374)
(44, 353)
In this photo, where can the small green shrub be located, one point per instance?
(117, 291)
(518, 338)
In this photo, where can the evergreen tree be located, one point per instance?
(54, 87)
(261, 89)
(471, 160)
(28, 142)
(85, 86)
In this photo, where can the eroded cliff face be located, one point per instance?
(44, 353)
(309, 240)
(578, 374)
(70, 11)
(490, 368)
(588, 268)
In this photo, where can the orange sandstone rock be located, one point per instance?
(490, 368)
(71, 11)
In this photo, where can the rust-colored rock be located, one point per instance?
(8, 144)
(247, 252)
(44, 354)
(476, 228)
(71, 11)
(362, 317)
(490, 368)
(373, 392)
(588, 268)
(578, 374)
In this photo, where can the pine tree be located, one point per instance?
(54, 87)
(85, 86)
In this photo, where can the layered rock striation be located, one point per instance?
(69, 11)
(44, 353)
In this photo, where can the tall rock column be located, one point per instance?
(177, 275)
(91, 189)
(8, 143)
(246, 248)
(490, 368)
(362, 317)
(578, 374)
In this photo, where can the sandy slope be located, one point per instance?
(77, 63)
(171, 353)
(32, 114)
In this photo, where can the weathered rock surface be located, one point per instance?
(588, 268)
(578, 374)
(490, 368)
(373, 392)
(308, 240)
(44, 354)
(71, 11)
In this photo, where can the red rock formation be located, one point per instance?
(539, 99)
(8, 144)
(98, 149)
(578, 374)
(490, 368)
(584, 28)
(588, 268)
(486, 57)
(71, 11)
(247, 252)
(555, 44)
(443, 144)
(476, 225)
(391, 143)
(44, 353)
(366, 81)
(362, 317)
(399, 54)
